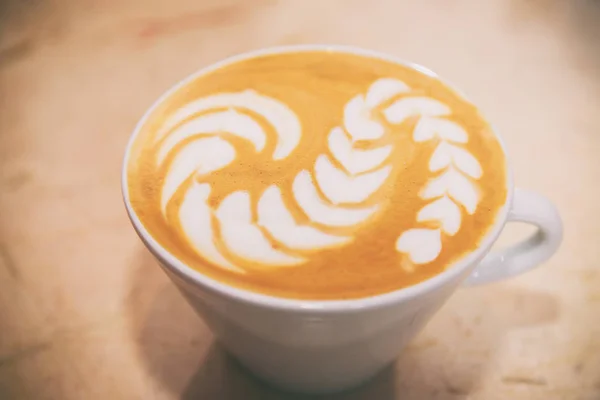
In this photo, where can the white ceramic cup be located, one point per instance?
(328, 346)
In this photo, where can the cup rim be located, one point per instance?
(453, 271)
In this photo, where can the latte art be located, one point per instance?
(258, 181)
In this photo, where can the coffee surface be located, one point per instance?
(316, 175)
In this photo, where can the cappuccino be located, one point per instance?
(316, 174)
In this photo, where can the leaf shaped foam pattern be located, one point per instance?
(286, 224)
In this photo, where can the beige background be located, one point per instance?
(84, 313)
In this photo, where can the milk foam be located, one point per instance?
(335, 193)
(230, 121)
(322, 212)
(454, 186)
(201, 157)
(244, 238)
(284, 120)
(195, 217)
(278, 221)
(355, 160)
(338, 187)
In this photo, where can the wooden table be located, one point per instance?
(84, 313)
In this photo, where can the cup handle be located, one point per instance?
(534, 209)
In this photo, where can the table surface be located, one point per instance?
(84, 312)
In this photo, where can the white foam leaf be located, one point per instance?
(414, 106)
(338, 187)
(274, 216)
(384, 89)
(445, 154)
(243, 238)
(354, 160)
(202, 156)
(358, 121)
(279, 115)
(319, 211)
(456, 185)
(466, 162)
(429, 128)
(195, 219)
(441, 158)
(421, 245)
(443, 210)
(230, 121)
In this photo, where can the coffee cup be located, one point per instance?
(327, 343)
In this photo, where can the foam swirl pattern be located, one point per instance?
(330, 194)
(195, 141)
